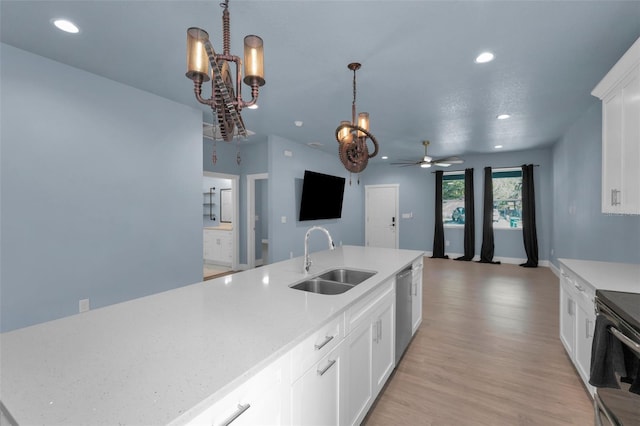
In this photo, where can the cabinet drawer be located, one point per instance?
(582, 291)
(314, 347)
(258, 399)
(363, 308)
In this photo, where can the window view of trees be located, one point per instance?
(453, 199)
(507, 199)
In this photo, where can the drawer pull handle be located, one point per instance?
(327, 339)
(241, 409)
(324, 370)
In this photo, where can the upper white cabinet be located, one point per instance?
(619, 91)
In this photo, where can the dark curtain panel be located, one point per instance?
(438, 232)
(529, 233)
(469, 217)
(486, 252)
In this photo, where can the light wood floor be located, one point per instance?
(487, 353)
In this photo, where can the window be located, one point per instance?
(507, 198)
(453, 198)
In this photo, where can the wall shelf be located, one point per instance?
(208, 201)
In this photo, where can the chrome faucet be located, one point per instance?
(307, 260)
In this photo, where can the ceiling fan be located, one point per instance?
(427, 161)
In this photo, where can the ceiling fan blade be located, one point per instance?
(406, 163)
(448, 160)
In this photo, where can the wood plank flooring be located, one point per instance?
(487, 353)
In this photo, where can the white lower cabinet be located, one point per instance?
(577, 321)
(218, 246)
(371, 352)
(585, 325)
(260, 400)
(416, 293)
(360, 366)
(567, 318)
(331, 378)
(317, 398)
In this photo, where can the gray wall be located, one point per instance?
(285, 188)
(417, 196)
(100, 191)
(581, 231)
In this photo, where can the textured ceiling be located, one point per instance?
(418, 78)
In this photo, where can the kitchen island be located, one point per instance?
(167, 357)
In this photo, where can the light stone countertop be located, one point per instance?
(606, 275)
(148, 361)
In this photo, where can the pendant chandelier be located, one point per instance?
(204, 64)
(352, 135)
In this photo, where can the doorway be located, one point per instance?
(221, 223)
(381, 215)
(257, 220)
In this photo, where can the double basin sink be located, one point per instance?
(335, 281)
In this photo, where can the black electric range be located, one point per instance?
(626, 305)
(616, 399)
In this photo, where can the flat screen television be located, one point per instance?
(321, 196)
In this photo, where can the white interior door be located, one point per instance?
(381, 216)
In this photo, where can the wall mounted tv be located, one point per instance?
(321, 196)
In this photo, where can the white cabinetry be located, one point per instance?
(260, 400)
(416, 292)
(218, 246)
(318, 396)
(318, 369)
(577, 321)
(370, 345)
(619, 91)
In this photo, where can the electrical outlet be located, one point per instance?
(290, 255)
(446, 243)
(283, 219)
(83, 305)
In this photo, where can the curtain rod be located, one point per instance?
(493, 168)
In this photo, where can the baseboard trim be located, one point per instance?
(508, 260)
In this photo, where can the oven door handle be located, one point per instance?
(624, 339)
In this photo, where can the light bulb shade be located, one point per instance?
(197, 58)
(345, 135)
(253, 60)
(363, 121)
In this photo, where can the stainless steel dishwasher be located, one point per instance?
(403, 311)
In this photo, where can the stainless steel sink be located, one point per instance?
(335, 281)
(320, 286)
(347, 276)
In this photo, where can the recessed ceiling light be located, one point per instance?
(384, 157)
(298, 123)
(498, 146)
(254, 106)
(484, 57)
(66, 26)
(503, 116)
